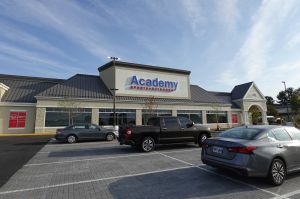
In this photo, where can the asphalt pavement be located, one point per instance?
(15, 151)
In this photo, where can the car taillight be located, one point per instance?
(244, 150)
(128, 131)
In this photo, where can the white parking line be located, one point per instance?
(167, 151)
(288, 194)
(95, 180)
(88, 159)
(105, 158)
(229, 178)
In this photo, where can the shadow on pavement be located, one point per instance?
(181, 184)
(15, 151)
(113, 150)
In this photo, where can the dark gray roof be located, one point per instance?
(225, 98)
(141, 66)
(90, 86)
(23, 88)
(79, 86)
(198, 94)
(240, 91)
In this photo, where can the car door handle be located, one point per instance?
(279, 146)
(182, 128)
(164, 129)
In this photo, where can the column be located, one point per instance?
(40, 120)
(229, 119)
(264, 117)
(174, 112)
(204, 119)
(138, 117)
(95, 116)
(246, 117)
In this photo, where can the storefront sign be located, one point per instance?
(152, 84)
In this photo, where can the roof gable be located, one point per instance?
(254, 93)
(240, 91)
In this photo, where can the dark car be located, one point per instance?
(258, 151)
(74, 133)
(163, 130)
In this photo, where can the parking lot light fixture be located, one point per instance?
(114, 92)
(287, 103)
(114, 105)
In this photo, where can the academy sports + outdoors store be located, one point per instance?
(40, 105)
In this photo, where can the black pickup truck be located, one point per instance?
(162, 130)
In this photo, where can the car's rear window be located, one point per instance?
(241, 133)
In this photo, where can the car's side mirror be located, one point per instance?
(189, 125)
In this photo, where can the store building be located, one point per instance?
(41, 105)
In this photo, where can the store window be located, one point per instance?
(123, 117)
(146, 114)
(56, 117)
(195, 116)
(216, 117)
(17, 119)
(234, 118)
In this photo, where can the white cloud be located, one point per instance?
(35, 58)
(12, 33)
(194, 13)
(294, 41)
(66, 17)
(228, 13)
(251, 60)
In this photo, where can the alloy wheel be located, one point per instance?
(71, 139)
(148, 144)
(277, 172)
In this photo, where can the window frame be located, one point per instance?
(274, 136)
(18, 111)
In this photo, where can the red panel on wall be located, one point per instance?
(234, 118)
(17, 119)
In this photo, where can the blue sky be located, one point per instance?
(223, 42)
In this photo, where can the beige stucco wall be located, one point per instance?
(5, 114)
(108, 77)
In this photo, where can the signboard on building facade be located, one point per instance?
(142, 82)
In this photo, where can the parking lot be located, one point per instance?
(108, 170)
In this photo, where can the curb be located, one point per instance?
(33, 134)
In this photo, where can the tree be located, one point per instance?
(256, 115)
(150, 108)
(72, 108)
(270, 100)
(284, 97)
(271, 110)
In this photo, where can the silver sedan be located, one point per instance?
(258, 151)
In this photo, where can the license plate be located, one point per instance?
(218, 150)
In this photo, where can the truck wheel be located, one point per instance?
(202, 138)
(277, 172)
(147, 144)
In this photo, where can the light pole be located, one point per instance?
(114, 93)
(287, 102)
(114, 104)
